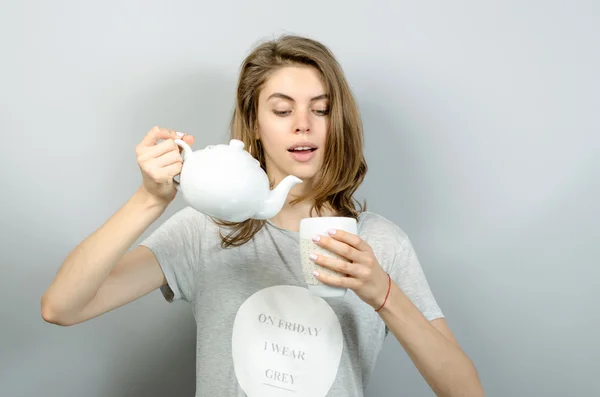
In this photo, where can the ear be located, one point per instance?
(256, 132)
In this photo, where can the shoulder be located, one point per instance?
(396, 254)
(375, 226)
(185, 228)
(187, 216)
(389, 242)
(189, 221)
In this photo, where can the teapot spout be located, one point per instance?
(276, 198)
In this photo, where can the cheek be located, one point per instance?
(320, 128)
(273, 130)
(272, 145)
(273, 140)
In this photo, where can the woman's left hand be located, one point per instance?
(361, 271)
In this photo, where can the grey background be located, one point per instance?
(481, 124)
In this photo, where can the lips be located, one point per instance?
(302, 151)
(302, 147)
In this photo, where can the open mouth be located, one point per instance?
(302, 149)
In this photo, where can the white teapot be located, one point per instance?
(226, 182)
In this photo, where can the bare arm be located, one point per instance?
(432, 347)
(430, 344)
(99, 274)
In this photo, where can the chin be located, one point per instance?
(304, 173)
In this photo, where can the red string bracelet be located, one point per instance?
(388, 293)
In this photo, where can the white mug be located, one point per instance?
(320, 225)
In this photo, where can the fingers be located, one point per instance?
(149, 143)
(338, 247)
(337, 280)
(160, 162)
(156, 134)
(189, 139)
(160, 175)
(158, 150)
(172, 170)
(145, 153)
(160, 159)
(169, 158)
(350, 239)
(165, 166)
(355, 270)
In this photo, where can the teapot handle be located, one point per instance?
(187, 151)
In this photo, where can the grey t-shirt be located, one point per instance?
(260, 333)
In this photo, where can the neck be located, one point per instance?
(291, 214)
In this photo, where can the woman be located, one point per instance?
(258, 332)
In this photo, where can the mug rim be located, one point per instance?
(327, 217)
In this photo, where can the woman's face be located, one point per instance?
(293, 119)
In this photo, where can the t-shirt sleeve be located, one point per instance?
(176, 246)
(408, 274)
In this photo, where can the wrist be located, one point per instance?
(387, 291)
(397, 302)
(149, 202)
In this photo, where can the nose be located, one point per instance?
(302, 129)
(302, 122)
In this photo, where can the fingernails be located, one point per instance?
(313, 256)
(316, 237)
(316, 273)
(180, 133)
(331, 231)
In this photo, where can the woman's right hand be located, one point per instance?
(160, 162)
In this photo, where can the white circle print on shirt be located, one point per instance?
(286, 341)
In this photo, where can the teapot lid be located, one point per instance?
(236, 143)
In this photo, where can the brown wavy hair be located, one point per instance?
(344, 165)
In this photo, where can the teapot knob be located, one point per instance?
(236, 143)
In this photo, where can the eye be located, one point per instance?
(281, 112)
(322, 112)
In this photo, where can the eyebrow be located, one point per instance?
(289, 98)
